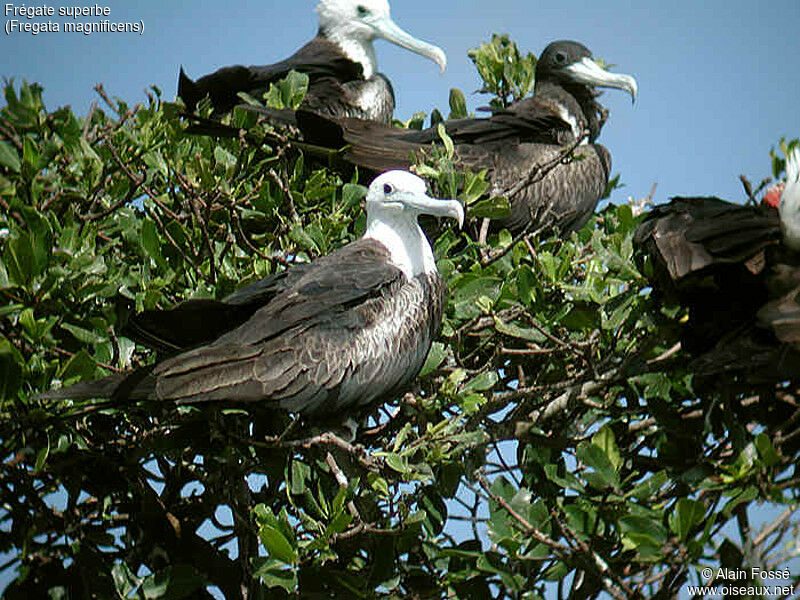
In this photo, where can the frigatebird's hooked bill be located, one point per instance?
(737, 269)
(340, 63)
(511, 143)
(333, 336)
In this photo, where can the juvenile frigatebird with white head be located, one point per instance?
(789, 207)
(340, 63)
(330, 337)
(512, 143)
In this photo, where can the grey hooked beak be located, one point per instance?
(589, 72)
(425, 205)
(387, 29)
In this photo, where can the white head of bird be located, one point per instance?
(354, 24)
(789, 206)
(395, 200)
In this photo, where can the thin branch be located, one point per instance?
(539, 171)
(521, 521)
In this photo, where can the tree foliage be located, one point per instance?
(553, 444)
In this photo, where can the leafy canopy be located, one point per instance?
(554, 440)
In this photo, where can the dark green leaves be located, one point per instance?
(276, 535)
(26, 254)
(603, 475)
(687, 514)
(10, 369)
(172, 583)
(557, 374)
(9, 157)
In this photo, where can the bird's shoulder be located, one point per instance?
(328, 289)
(319, 58)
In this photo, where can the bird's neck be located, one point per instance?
(790, 215)
(407, 244)
(579, 106)
(357, 49)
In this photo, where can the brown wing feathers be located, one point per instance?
(294, 349)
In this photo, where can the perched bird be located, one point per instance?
(737, 269)
(512, 143)
(333, 336)
(340, 63)
(789, 206)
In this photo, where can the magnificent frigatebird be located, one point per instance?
(737, 269)
(512, 143)
(335, 335)
(340, 63)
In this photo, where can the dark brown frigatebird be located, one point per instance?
(329, 337)
(511, 143)
(340, 63)
(737, 270)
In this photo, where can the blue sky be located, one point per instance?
(718, 80)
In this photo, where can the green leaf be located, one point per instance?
(458, 104)
(83, 335)
(398, 463)
(151, 243)
(11, 362)
(475, 186)
(582, 518)
(289, 92)
(646, 535)
(41, 457)
(224, 158)
(436, 356)
(567, 480)
(650, 486)
(431, 502)
(172, 583)
(686, 515)
(769, 456)
(466, 288)
(9, 157)
(26, 257)
(30, 155)
(81, 366)
(5, 282)
(339, 524)
(496, 207)
(277, 545)
(595, 457)
(448, 142)
(605, 440)
(274, 574)
(482, 383)
(124, 579)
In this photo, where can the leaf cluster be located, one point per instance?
(553, 444)
(506, 73)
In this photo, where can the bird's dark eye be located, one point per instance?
(362, 10)
(387, 189)
(561, 58)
